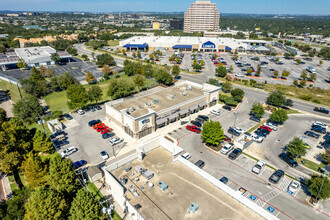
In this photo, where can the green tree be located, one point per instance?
(257, 110)
(279, 116)
(324, 53)
(90, 78)
(303, 75)
(123, 51)
(237, 94)
(227, 86)
(95, 93)
(34, 171)
(303, 83)
(133, 54)
(85, 57)
(139, 54)
(212, 132)
(296, 147)
(214, 82)
(298, 61)
(214, 56)
(72, 51)
(15, 206)
(3, 116)
(93, 55)
(285, 73)
(105, 59)
(202, 63)
(248, 70)
(163, 77)
(21, 64)
(41, 143)
(55, 57)
(139, 81)
(314, 186)
(61, 177)
(36, 84)
(258, 72)
(85, 206)
(275, 72)
(28, 109)
(45, 204)
(151, 56)
(221, 71)
(175, 71)
(312, 76)
(295, 82)
(276, 98)
(129, 68)
(77, 96)
(119, 88)
(321, 62)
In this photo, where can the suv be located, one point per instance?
(226, 107)
(93, 122)
(69, 151)
(258, 167)
(233, 131)
(204, 117)
(319, 129)
(196, 123)
(254, 118)
(276, 176)
(235, 153)
(311, 134)
(288, 159)
(225, 149)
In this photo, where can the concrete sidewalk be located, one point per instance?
(5, 187)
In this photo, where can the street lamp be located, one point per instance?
(235, 114)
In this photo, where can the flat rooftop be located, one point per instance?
(35, 54)
(164, 100)
(184, 188)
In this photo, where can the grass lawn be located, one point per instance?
(57, 101)
(13, 186)
(14, 93)
(256, 126)
(11, 178)
(39, 127)
(310, 164)
(93, 189)
(113, 43)
(115, 216)
(292, 111)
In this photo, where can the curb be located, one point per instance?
(3, 189)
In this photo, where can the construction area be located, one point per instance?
(160, 189)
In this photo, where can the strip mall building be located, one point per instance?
(206, 44)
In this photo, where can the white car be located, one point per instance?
(239, 74)
(81, 112)
(271, 126)
(69, 151)
(258, 167)
(294, 186)
(239, 130)
(321, 124)
(115, 140)
(225, 149)
(257, 138)
(186, 156)
(215, 112)
(104, 155)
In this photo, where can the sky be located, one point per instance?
(224, 6)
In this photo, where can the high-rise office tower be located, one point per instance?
(202, 16)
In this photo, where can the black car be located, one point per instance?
(232, 131)
(98, 107)
(312, 134)
(227, 107)
(288, 159)
(93, 122)
(322, 110)
(224, 180)
(67, 117)
(235, 153)
(196, 123)
(271, 69)
(261, 133)
(276, 176)
(200, 120)
(263, 130)
(203, 117)
(254, 118)
(319, 129)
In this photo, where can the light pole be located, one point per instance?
(235, 114)
(318, 193)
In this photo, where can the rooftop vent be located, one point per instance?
(184, 88)
(172, 96)
(131, 109)
(155, 101)
(189, 87)
(148, 104)
(139, 107)
(184, 93)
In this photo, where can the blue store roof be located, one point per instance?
(181, 46)
(145, 45)
(228, 48)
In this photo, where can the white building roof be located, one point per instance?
(33, 55)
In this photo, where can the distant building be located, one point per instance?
(176, 24)
(111, 17)
(202, 16)
(155, 25)
(12, 15)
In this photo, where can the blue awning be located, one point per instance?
(181, 46)
(141, 46)
(228, 48)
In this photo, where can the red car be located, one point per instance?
(102, 127)
(193, 128)
(106, 130)
(266, 128)
(97, 125)
(228, 139)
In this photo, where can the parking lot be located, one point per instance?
(76, 67)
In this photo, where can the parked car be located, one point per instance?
(271, 126)
(186, 156)
(98, 107)
(101, 127)
(276, 176)
(69, 151)
(227, 107)
(193, 128)
(97, 125)
(196, 123)
(225, 149)
(80, 163)
(107, 135)
(200, 164)
(266, 128)
(215, 112)
(235, 153)
(203, 117)
(258, 167)
(312, 134)
(115, 140)
(261, 133)
(81, 112)
(228, 139)
(294, 186)
(254, 118)
(321, 124)
(239, 130)
(233, 132)
(257, 138)
(104, 155)
(322, 110)
(91, 108)
(200, 120)
(288, 159)
(224, 180)
(67, 117)
(106, 130)
(93, 122)
(319, 129)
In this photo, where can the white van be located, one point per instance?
(311, 69)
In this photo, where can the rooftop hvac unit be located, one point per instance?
(155, 101)
(148, 104)
(131, 109)
(184, 93)
(184, 88)
(189, 87)
(172, 96)
(139, 107)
